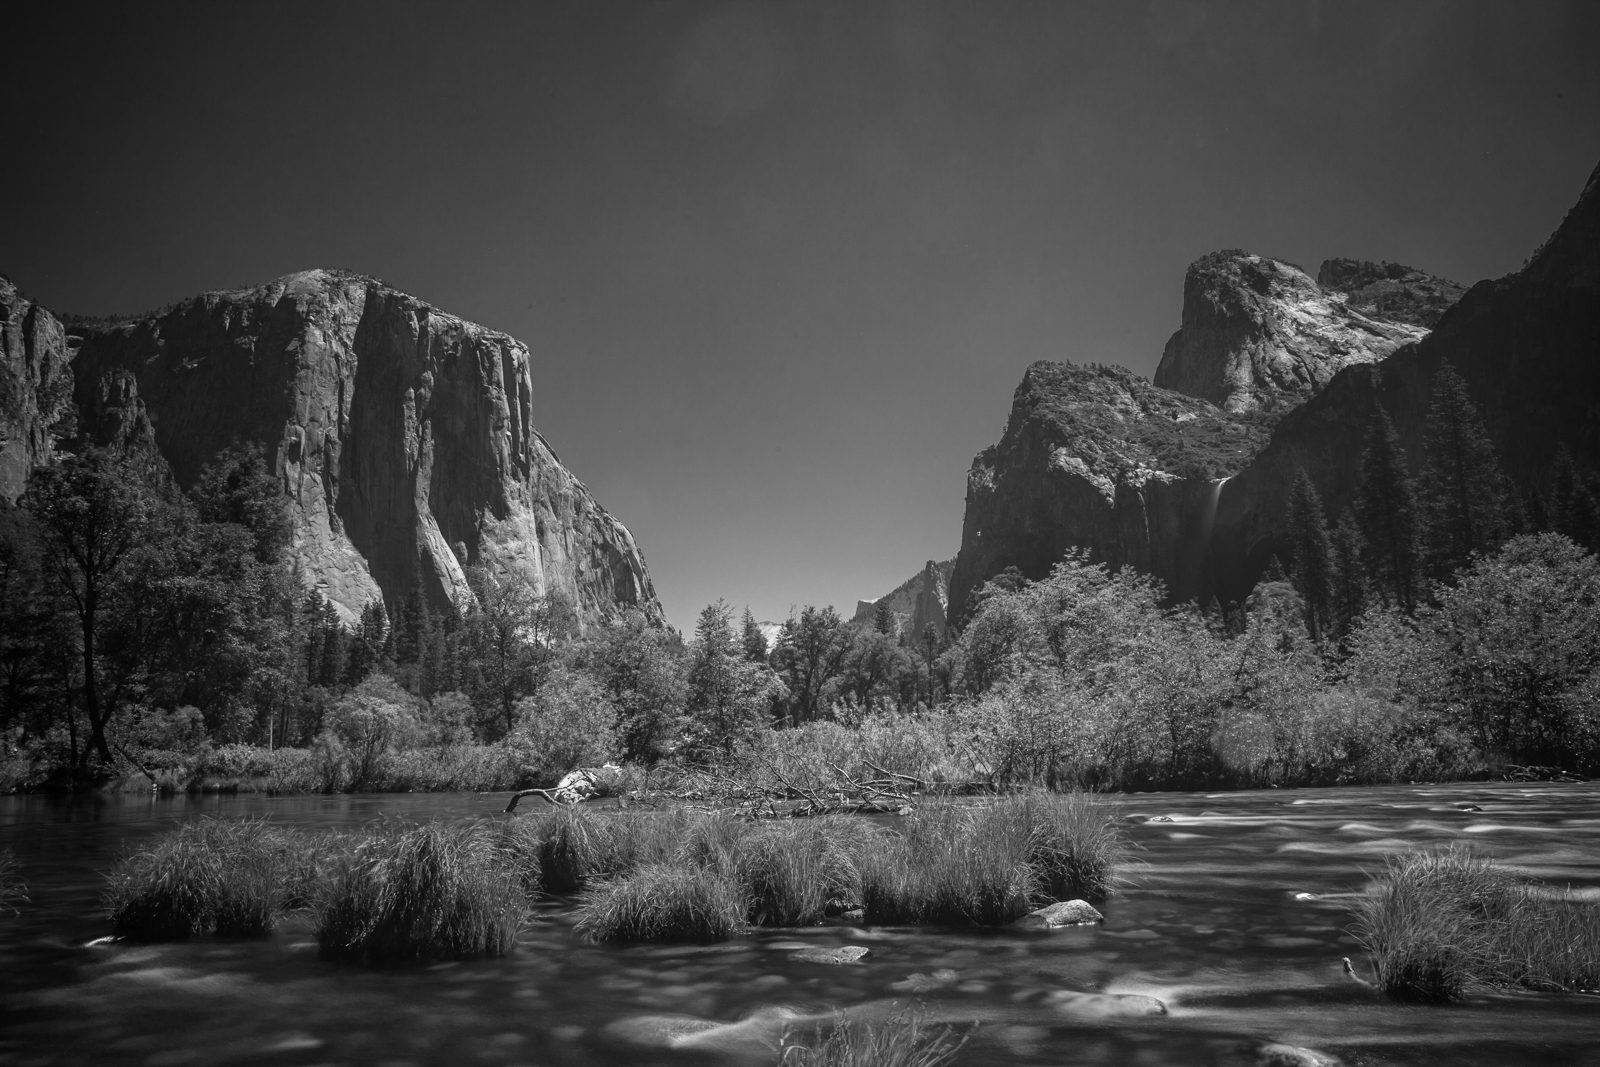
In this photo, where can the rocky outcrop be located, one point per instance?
(1390, 292)
(915, 603)
(402, 435)
(1097, 458)
(1526, 344)
(35, 388)
(1260, 333)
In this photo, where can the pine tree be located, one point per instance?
(1387, 510)
(331, 667)
(1464, 492)
(883, 619)
(1573, 511)
(1347, 547)
(751, 639)
(1311, 561)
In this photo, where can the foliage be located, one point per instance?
(1312, 560)
(664, 902)
(1387, 510)
(417, 894)
(1465, 496)
(951, 865)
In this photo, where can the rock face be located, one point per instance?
(35, 388)
(1098, 458)
(1389, 291)
(1526, 345)
(402, 435)
(1260, 333)
(922, 599)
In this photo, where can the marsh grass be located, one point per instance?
(902, 1040)
(664, 902)
(1440, 924)
(13, 890)
(209, 877)
(1076, 844)
(414, 894)
(796, 873)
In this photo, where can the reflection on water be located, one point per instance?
(1233, 915)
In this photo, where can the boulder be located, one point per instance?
(1061, 913)
(1293, 1056)
(840, 955)
(1105, 1005)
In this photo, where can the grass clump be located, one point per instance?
(1443, 923)
(209, 877)
(412, 894)
(796, 873)
(902, 1040)
(1076, 844)
(664, 902)
(951, 865)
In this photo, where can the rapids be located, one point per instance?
(1233, 913)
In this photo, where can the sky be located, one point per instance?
(781, 266)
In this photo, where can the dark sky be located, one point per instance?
(781, 266)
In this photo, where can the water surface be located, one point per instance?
(1234, 913)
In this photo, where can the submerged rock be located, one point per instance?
(842, 954)
(688, 1031)
(1061, 913)
(924, 983)
(1293, 1056)
(1105, 1005)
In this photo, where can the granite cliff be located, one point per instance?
(919, 600)
(1528, 346)
(1260, 333)
(1101, 459)
(402, 436)
(35, 388)
(1273, 372)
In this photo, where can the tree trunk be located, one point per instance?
(91, 695)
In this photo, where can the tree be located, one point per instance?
(873, 667)
(1312, 556)
(1348, 598)
(752, 639)
(1573, 510)
(1387, 509)
(92, 511)
(810, 654)
(1464, 493)
(511, 633)
(641, 669)
(728, 696)
(883, 619)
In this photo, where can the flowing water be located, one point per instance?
(1234, 913)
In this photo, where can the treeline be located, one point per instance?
(1439, 628)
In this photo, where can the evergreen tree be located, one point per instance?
(1464, 493)
(883, 619)
(1311, 559)
(753, 641)
(330, 669)
(1387, 509)
(1346, 549)
(1573, 510)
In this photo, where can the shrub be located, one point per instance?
(951, 865)
(569, 723)
(421, 893)
(1438, 924)
(664, 902)
(902, 1040)
(212, 876)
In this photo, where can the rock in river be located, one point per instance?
(1105, 1005)
(1293, 1056)
(1061, 913)
(842, 954)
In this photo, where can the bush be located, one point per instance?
(418, 894)
(1439, 924)
(902, 1040)
(212, 876)
(569, 723)
(664, 902)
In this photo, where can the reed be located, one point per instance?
(414, 894)
(1439, 924)
(902, 1040)
(209, 877)
(664, 902)
(796, 873)
(1076, 843)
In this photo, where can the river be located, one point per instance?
(1234, 913)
